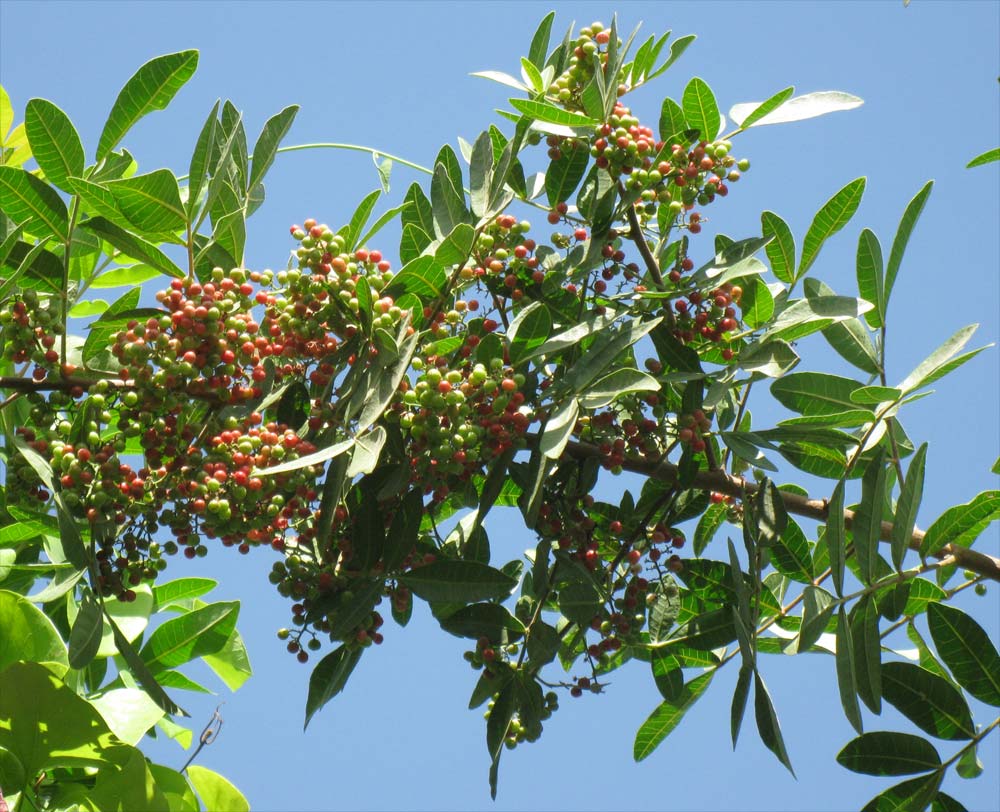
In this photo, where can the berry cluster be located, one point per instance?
(30, 331)
(504, 259)
(459, 416)
(708, 316)
(588, 55)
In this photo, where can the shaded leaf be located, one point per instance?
(767, 723)
(967, 650)
(458, 582)
(329, 678)
(885, 753)
(847, 670)
(910, 494)
(929, 701)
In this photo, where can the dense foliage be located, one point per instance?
(359, 422)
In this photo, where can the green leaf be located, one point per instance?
(781, 248)
(910, 494)
(771, 358)
(558, 429)
(216, 793)
(803, 317)
(969, 765)
(961, 525)
(540, 41)
(129, 712)
(423, 276)
(619, 383)
(812, 393)
(939, 363)
(75, 735)
(929, 701)
(27, 199)
(565, 173)
(97, 200)
(759, 112)
(767, 723)
(832, 217)
(677, 47)
(543, 111)
(967, 650)
(477, 620)
(88, 307)
(458, 582)
(850, 337)
(150, 88)
(701, 110)
(182, 639)
(132, 245)
(501, 77)
(28, 634)
(329, 678)
(266, 147)
(456, 247)
(867, 652)
(7, 114)
(667, 716)
(809, 105)
(909, 796)
(178, 793)
(885, 753)
(868, 517)
(181, 589)
(85, 636)
(987, 157)
(603, 352)
(757, 303)
(151, 203)
(870, 276)
(672, 121)
(54, 141)
(383, 219)
(231, 663)
(903, 232)
(847, 670)
(481, 173)
(200, 158)
(359, 219)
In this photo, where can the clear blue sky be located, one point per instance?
(395, 76)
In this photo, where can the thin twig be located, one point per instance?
(818, 509)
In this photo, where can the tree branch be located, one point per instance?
(818, 509)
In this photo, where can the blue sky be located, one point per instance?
(395, 76)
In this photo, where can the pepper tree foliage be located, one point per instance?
(361, 421)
